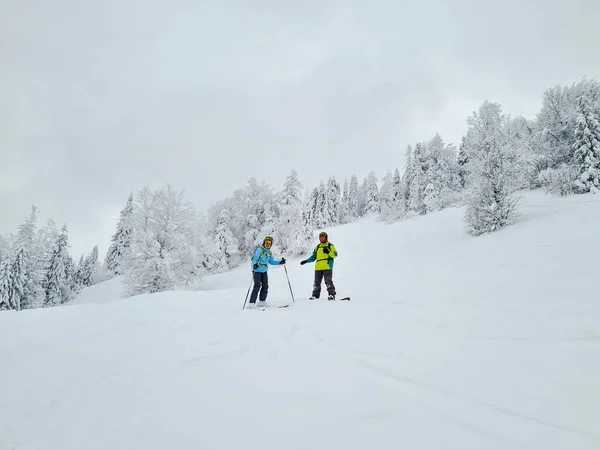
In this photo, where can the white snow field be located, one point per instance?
(449, 342)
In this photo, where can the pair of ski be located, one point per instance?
(263, 308)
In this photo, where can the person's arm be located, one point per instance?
(332, 252)
(311, 258)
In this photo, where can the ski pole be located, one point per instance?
(288, 278)
(251, 279)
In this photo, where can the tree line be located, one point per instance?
(162, 242)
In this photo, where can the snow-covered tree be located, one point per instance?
(345, 206)
(398, 204)
(372, 204)
(4, 247)
(441, 177)
(587, 146)
(462, 160)
(28, 256)
(385, 194)
(292, 226)
(118, 251)
(352, 201)
(332, 198)
(164, 253)
(553, 138)
(8, 284)
(418, 180)
(226, 243)
(57, 284)
(90, 268)
(491, 203)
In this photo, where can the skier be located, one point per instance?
(324, 254)
(260, 265)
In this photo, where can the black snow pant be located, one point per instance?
(261, 283)
(328, 276)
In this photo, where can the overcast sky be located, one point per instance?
(98, 98)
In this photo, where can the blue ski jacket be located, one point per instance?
(262, 258)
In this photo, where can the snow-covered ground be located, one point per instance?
(449, 342)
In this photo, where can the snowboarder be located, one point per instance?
(324, 254)
(260, 265)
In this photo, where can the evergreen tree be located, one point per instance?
(332, 209)
(30, 263)
(57, 285)
(345, 206)
(441, 177)
(418, 180)
(121, 241)
(353, 193)
(587, 147)
(6, 284)
(385, 195)
(397, 206)
(407, 178)
(90, 268)
(372, 198)
(463, 159)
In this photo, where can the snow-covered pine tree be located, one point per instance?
(372, 202)
(385, 195)
(57, 285)
(19, 281)
(491, 204)
(6, 284)
(587, 146)
(311, 212)
(332, 209)
(30, 262)
(353, 193)
(120, 241)
(407, 178)
(345, 206)
(90, 268)
(77, 280)
(4, 247)
(397, 205)
(441, 177)
(418, 180)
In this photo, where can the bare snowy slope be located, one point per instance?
(449, 342)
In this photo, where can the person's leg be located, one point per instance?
(265, 286)
(257, 283)
(317, 284)
(328, 275)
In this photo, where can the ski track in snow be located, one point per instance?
(484, 344)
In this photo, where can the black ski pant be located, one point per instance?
(319, 276)
(261, 283)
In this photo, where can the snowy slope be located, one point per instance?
(449, 342)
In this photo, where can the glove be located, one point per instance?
(326, 250)
(254, 267)
(302, 262)
(282, 261)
